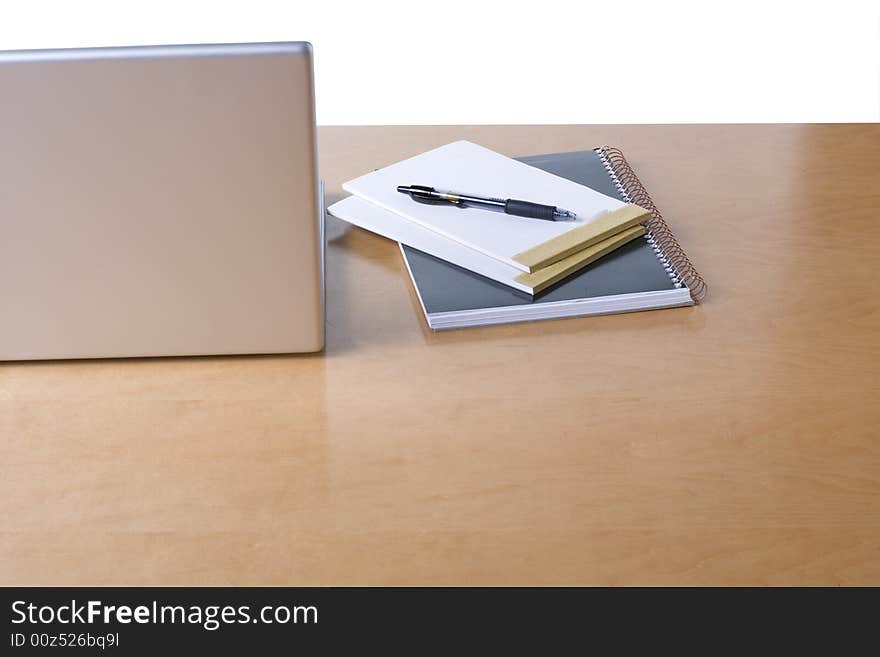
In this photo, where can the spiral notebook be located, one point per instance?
(648, 273)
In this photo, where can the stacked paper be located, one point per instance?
(526, 254)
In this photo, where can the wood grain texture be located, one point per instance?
(731, 443)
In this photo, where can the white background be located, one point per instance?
(539, 61)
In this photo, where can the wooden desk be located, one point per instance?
(732, 443)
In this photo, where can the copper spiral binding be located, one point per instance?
(658, 233)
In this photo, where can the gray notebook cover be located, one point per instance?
(445, 287)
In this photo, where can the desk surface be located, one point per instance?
(731, 443)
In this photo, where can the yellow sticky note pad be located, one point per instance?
(547, 276)
(563, 246)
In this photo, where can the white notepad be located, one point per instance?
(466, 167)
(377, 220)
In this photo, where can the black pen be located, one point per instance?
(512, 206)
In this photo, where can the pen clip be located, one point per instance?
(427, 200)
(414, 190)
(438, 201)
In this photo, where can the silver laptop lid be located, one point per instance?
(159, 201)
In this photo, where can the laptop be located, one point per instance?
(159, 201)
